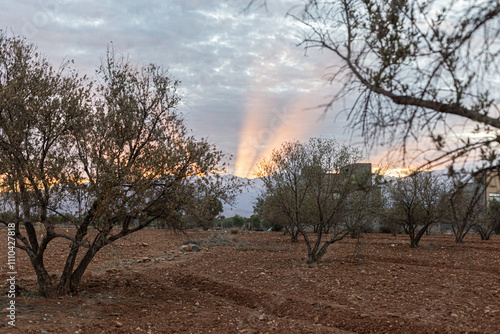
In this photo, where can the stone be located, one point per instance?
(190, 248)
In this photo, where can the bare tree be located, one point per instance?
(416, 202)
(285, 184)
(466, 203)
(415, 68)
(363, 209)
(125, 148)
(333, 185)
(314, 195)
(489, 222)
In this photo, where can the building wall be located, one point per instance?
(493, 188)
(362, 172)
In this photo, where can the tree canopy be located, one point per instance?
(315, 187)
(416, 202)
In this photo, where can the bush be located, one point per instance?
(235, 221)
(216, 239)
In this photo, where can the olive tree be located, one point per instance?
(39, 109)
(285, 186)
(205, 208)
(117, 144)
(416, 202)
(489, 222)
(271, 214)
(309, 185)
(467, 205)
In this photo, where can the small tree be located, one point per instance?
(466, 202)
(416, 202)
(390, 221)
(39, 109)
(254, 223)
(364, 207)
(310, 187)
(285, 186)
(489, 222)
(335, 191)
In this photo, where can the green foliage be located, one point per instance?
(62, 219)
(255, 223)
(235, 221)
(7, 217)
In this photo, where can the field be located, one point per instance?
(259, 283)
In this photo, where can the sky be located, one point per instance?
(246, 85)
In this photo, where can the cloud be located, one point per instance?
(237, 68)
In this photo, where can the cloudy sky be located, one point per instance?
(246, 84)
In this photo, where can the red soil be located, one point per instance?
(259, 283)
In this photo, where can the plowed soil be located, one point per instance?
(259, 283)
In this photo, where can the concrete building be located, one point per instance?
(361, 172)
(492, 191)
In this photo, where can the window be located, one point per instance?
(495, 196)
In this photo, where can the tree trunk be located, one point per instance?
(294, 233)
(420, 234)
(76, 278)
(64, 283)
(64, 286)
(71, 285)
(45, 286)
(314, 257)
(459, 234)
(413, 241)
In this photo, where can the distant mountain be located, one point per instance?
(243, 205)
(244, 202)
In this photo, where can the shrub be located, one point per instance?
(216, 239)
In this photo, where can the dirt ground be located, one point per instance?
(259, 283)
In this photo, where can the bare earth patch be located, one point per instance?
(259, 283)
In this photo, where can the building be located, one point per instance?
(361, 172)
(492, 190)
